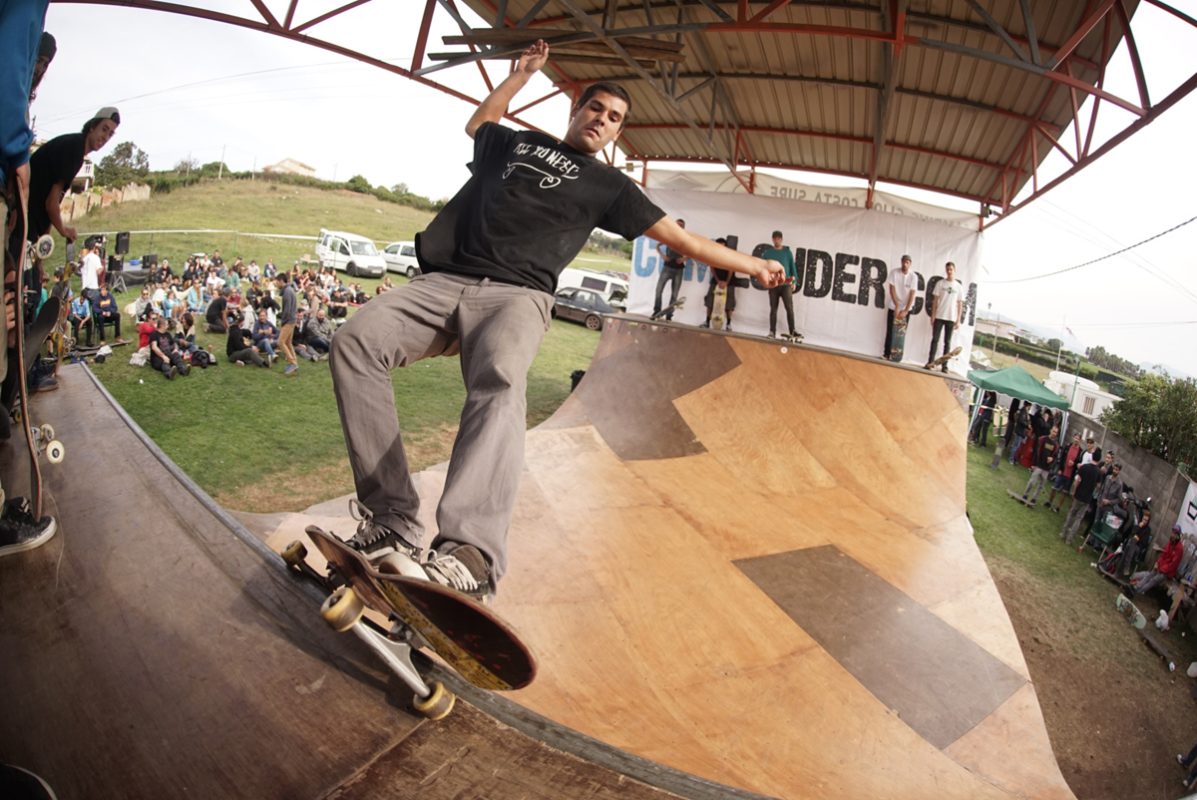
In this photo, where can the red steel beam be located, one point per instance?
(311, 22)
(417, 56)
(1133, 51)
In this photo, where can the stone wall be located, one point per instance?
(77, 206)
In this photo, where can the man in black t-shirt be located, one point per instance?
(164, 352)
(490, 260)
(54, 166)
(215, 314)
(1083, 485)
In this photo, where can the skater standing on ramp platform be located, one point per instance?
(490, 261)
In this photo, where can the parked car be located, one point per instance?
(401, 258)
(583, 305)
(354, 254)
(611, 288)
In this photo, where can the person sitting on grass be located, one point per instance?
(265, 335)
(193, 297)
(238, 348)
(164, 352)
(1165, 568)
(107, 313)
(145, 330)
(299, 340)
(216, 314)
(319, 332)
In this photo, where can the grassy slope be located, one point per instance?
(258, 441)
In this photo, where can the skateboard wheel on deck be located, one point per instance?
(44, 247)
(55, 451)
(436, 705)
(47, 431)
(295, 553)
(342, 609)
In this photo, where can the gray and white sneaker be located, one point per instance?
(374, 540)
(463, 568)
(19, 531)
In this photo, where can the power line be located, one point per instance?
(1099, 259)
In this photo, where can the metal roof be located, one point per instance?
(963, 97)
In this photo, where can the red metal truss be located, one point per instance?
(722, 135)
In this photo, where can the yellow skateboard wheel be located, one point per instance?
(55, 452)
(436, 705)
(342, 609)
(295, 553)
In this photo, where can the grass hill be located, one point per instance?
(259, 207)
(252, 438)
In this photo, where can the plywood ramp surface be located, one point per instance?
(752, 562)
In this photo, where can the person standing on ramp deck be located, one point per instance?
(490, 261)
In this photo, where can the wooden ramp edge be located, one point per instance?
(156, 648)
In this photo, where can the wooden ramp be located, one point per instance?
(752, 563)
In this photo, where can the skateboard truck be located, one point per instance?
(343, 610)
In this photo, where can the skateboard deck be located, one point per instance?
(669, 309)
(719, 308)
(1016, 496)
(468, 636)
(897, 344)
(939, 362)
(1129, 610)
(42, 327)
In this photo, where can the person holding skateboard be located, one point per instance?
(947, 309)
(673, 267)
(490, 261)
(900, 290)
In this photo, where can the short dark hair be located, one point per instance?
(778, 235)
(91, 123)
(607, 87)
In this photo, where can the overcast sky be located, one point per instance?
(189, 88)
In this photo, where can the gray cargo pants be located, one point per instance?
(497, 329)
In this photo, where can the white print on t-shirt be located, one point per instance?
(559, 166)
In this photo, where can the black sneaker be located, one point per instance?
(374, 540)
(20, 532)
(463, 568)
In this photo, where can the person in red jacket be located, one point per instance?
(1165, 566)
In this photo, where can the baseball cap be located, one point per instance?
(47, 47)
(108, 112)
(1176, 529)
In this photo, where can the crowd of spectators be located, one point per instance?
(1104, 511)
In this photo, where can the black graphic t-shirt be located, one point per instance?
(528, 209)
(56, 161)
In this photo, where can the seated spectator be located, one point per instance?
(194, 297)
(216, 314)
(80, 317)
(265, 335)
(319, 332)
(145, 331)
(142, 305)
(1135, 546)
(238, 349)
(268, 269)
(1165, 566)
(253, 272)
(106, 313)
(299, 339)
(164, 353)
(338, 303)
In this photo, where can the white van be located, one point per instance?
(354, 254)
(612, 289)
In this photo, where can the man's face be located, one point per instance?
(777, 241)
(262, 316)
(1076, 439)
(597, 123)
(906, 265)
(1055, 432)
(950, 271)
(98, 136)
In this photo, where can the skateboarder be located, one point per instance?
(673, 267)
(785, 292)
(899, 297)
(947, 309)
(490, 261)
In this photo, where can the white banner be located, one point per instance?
(843, 257)
(1188, 512)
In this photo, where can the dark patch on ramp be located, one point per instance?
(657, 430)
(940, 682)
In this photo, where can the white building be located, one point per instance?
(289, 166)
(1087, 398)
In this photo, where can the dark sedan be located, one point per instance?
(583, 305)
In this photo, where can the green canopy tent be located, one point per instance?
(1014, 382)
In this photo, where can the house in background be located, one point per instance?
(1087, 398)
(1000, 329)
(289, 166)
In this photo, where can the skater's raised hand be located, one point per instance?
(534, 57)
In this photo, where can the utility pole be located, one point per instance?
(220, 169)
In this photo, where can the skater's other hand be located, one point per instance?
(69, 233)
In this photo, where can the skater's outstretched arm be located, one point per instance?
(700, 248)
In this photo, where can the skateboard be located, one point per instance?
(468, 636)
(719, 308)
(939, 362)
(897, 344)
(1017, 496)
(1129, 610)
(669, 309)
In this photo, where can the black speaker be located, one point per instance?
(149, 261)
(122, 243)
(733, 241)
